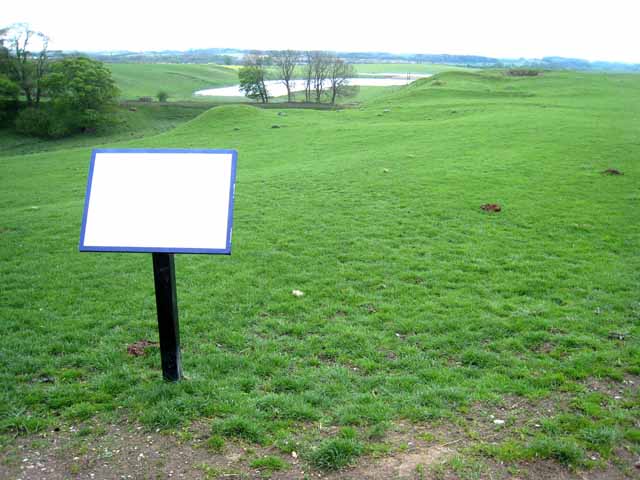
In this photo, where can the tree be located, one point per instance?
(9, 92)
(252, 78)
(82, 95)
(83, 87)
(26, 68)
(308, 75)
(162, 96)
(286, 61)
(316, 69)
(339, 73)
(4, 54)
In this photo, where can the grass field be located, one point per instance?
(137, 80)
(505, 342)
(180, 81)
(430, 68)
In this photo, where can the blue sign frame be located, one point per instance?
(221, 251)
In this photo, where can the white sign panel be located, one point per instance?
(171, 201)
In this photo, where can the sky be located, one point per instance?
(589, 29)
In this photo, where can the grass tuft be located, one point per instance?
(269, 463)
(564, 450)
(215, 443)
(239, 427)
(335, 453)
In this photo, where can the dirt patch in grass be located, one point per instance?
(616, 390)
(400, 465)
(612, 171)
(138, 349)
(441, 450)
(491, 207)
(124, 451)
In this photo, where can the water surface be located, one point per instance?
(277, 89)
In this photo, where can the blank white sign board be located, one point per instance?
(170, 201)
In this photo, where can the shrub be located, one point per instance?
(33, 121)
(162, 96)
(9, 93)
(42, 122)
(56, 121)
(523, 72)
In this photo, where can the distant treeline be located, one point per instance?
(231, 56)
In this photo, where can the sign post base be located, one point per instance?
(164, 275)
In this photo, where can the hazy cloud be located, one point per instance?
(585, 29)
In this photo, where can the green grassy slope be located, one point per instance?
(143, 119)
(180, 81)
(431, 68)
(417, 305)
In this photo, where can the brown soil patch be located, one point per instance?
(402, 465)
(407, 465)
(125, 451)
(491, 207)
(423, 451)
(612, 171)
(370, 308)
(138, 349)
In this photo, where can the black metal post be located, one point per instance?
(164, 275)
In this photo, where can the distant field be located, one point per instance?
(137, 80)
(179, 80)
(407, 68)
(433, 338)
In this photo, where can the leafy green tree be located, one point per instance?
(252, 78)
(82, 97)
(162, 96)
(83, 91)
(9, 89)
(4, 53)
(9, 92)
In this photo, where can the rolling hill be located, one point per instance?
(137, 80)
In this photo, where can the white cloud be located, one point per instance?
(585, 29)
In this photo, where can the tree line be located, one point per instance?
(324, 75)
(60, 97)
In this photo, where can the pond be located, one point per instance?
(277, 89)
